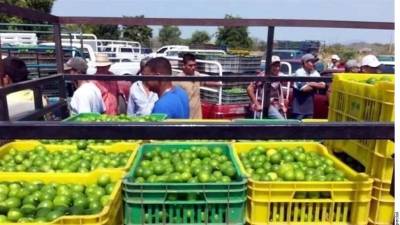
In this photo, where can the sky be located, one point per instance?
(354, 10)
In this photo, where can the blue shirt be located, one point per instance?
(174, 103)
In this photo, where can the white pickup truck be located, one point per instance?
(123, 66)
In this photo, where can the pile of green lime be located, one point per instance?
(39, 202)
(82, 144)
(196, 164)
(119, 118)
(289, 164)
(39, 159)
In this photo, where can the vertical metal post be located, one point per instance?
(63, 97)
(58, 48)
(1, 68)
(267, 85)
(80, 32)
(4, 116)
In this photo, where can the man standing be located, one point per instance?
(109, 89)
(277, 102)
(87, 98)
(334, 62)
(172, 100)
(370, 64)
(141, 99)
(303, 92)
(21, 102)
(192, 88)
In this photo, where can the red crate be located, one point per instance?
(215, 111)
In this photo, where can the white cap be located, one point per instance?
(275, 59)
(371, 61)
(336, 57)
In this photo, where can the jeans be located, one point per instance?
(273, 113)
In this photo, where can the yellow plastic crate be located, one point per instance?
(376, 164)
(355, 101)
(382, 204)
(352, 100)
(115, 145)
(29, 145)
(314, 120)
(111, 213)
(274, 202)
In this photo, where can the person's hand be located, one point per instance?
(256, 107)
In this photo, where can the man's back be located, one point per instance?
(87, 98)
(174, 103)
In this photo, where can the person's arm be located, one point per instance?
(212, 83)
(254, 102)
(317, 85)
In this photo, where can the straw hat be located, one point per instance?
(102, 60)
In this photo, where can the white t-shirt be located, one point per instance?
(303, 73)
(87, 98)
(139, 102)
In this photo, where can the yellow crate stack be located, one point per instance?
(367, 97)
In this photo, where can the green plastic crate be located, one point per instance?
(185, 212)
(155, 192)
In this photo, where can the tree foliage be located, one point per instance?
(106, 31)
(142, 34)
(40, 5)
(199, 37)
(234, 37)
(169, 35)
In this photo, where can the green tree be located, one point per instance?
(40, 5)
(106, 31)
(169, 35)
(200, 37)
(142, 34)
(234, 37)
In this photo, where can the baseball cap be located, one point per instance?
(76, 63)
(336, 57)
(371, 61)
(352, 63)
(308, 57)
(275, 59)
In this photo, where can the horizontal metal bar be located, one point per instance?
(42, 112)
(173, 130)
(227, 22)
(26, 13)
(226, 78)
(29, 84)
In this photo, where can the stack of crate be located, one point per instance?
(367, 97)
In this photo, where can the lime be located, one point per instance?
(14, 215)
(103, 180)
(275, 158)
(12, 202)
(289, 175)
(299, 175)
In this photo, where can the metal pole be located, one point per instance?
(58, 48)
(267, 85)
(1, 68)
